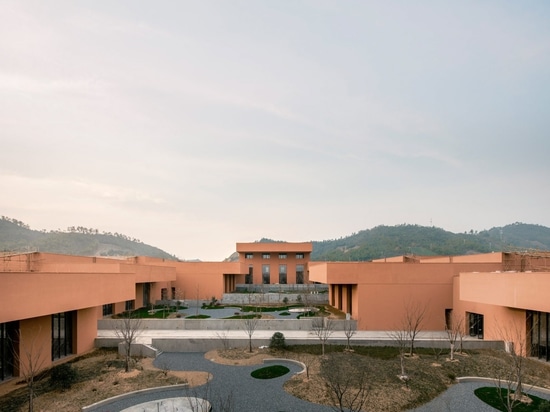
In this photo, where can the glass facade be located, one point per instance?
(62, 334)
(266, 275)
(8, 334)
(540, 322)
(282, 274)
(299, 274)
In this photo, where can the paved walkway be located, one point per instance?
(233, 385)
(230, 385)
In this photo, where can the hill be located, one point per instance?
(369, 244)
(386, 241)
(17, 236)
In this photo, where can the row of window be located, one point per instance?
(266, 274)
(268, 255)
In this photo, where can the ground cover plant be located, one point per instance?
(496, 398)
(270, 372)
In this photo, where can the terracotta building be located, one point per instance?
(50, 304)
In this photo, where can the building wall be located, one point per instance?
(202, 280)
(86, 329)
(252, 255)
(386, 290)
(34, 343)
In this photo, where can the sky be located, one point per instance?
(193, 125)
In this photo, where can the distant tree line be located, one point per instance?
(15, 222)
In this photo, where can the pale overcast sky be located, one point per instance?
(193, 125)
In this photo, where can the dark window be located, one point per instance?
(266, 256)
(249, 255)
(299, 274)
(282, 274)
(299, 255)
(265, 275)
(540, 334)
(8, 334)
(108, 309)
(173, 292)
(475, 323)
(249, 279)
(146, 294)
(130, 305)
(164, 294)
(62, 335)
(282, 256)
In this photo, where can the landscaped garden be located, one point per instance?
(100, 375)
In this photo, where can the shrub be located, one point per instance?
(63, 376)
(277, 341)
(270, 372)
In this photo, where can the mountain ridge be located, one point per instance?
(369, 244)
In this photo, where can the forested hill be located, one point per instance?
(17, 236)
(375, 243)
(386, 241)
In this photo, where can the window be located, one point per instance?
(249, 279)
(282, 274)
(146, 294)
(62, 335)
(129, 305)
(173, 293)
(8, 335)
(164, 294)
(249, 255)
(266, 256)
(299, 274)
(282, 255)
(540, 334)
(108, 309)
(475, 325)
(299, 255)
(266, 274)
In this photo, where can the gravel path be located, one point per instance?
(234, 385)
(229, 384)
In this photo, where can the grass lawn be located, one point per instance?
(270, 372)
(497, 399)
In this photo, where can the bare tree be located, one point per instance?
(322, 327)
(223, 337)
(307, 359)
(128, 328)
(512, 377)
(349, 330)
(401, 340)
(250, 323)
(30, 358)
(412, 321)
(346, 379)
(454, 331)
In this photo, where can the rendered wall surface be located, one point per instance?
(514, 290)
(34, 343)
(202, 280)
(86, 329)
(29, 294)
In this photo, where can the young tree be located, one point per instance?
(128, 328)
(349, 330)
(249, 326)
(346, 379)
(412, 321)
(30, 358)
(512, 377)
(322, 327)
(400, 338)
(454, 330)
